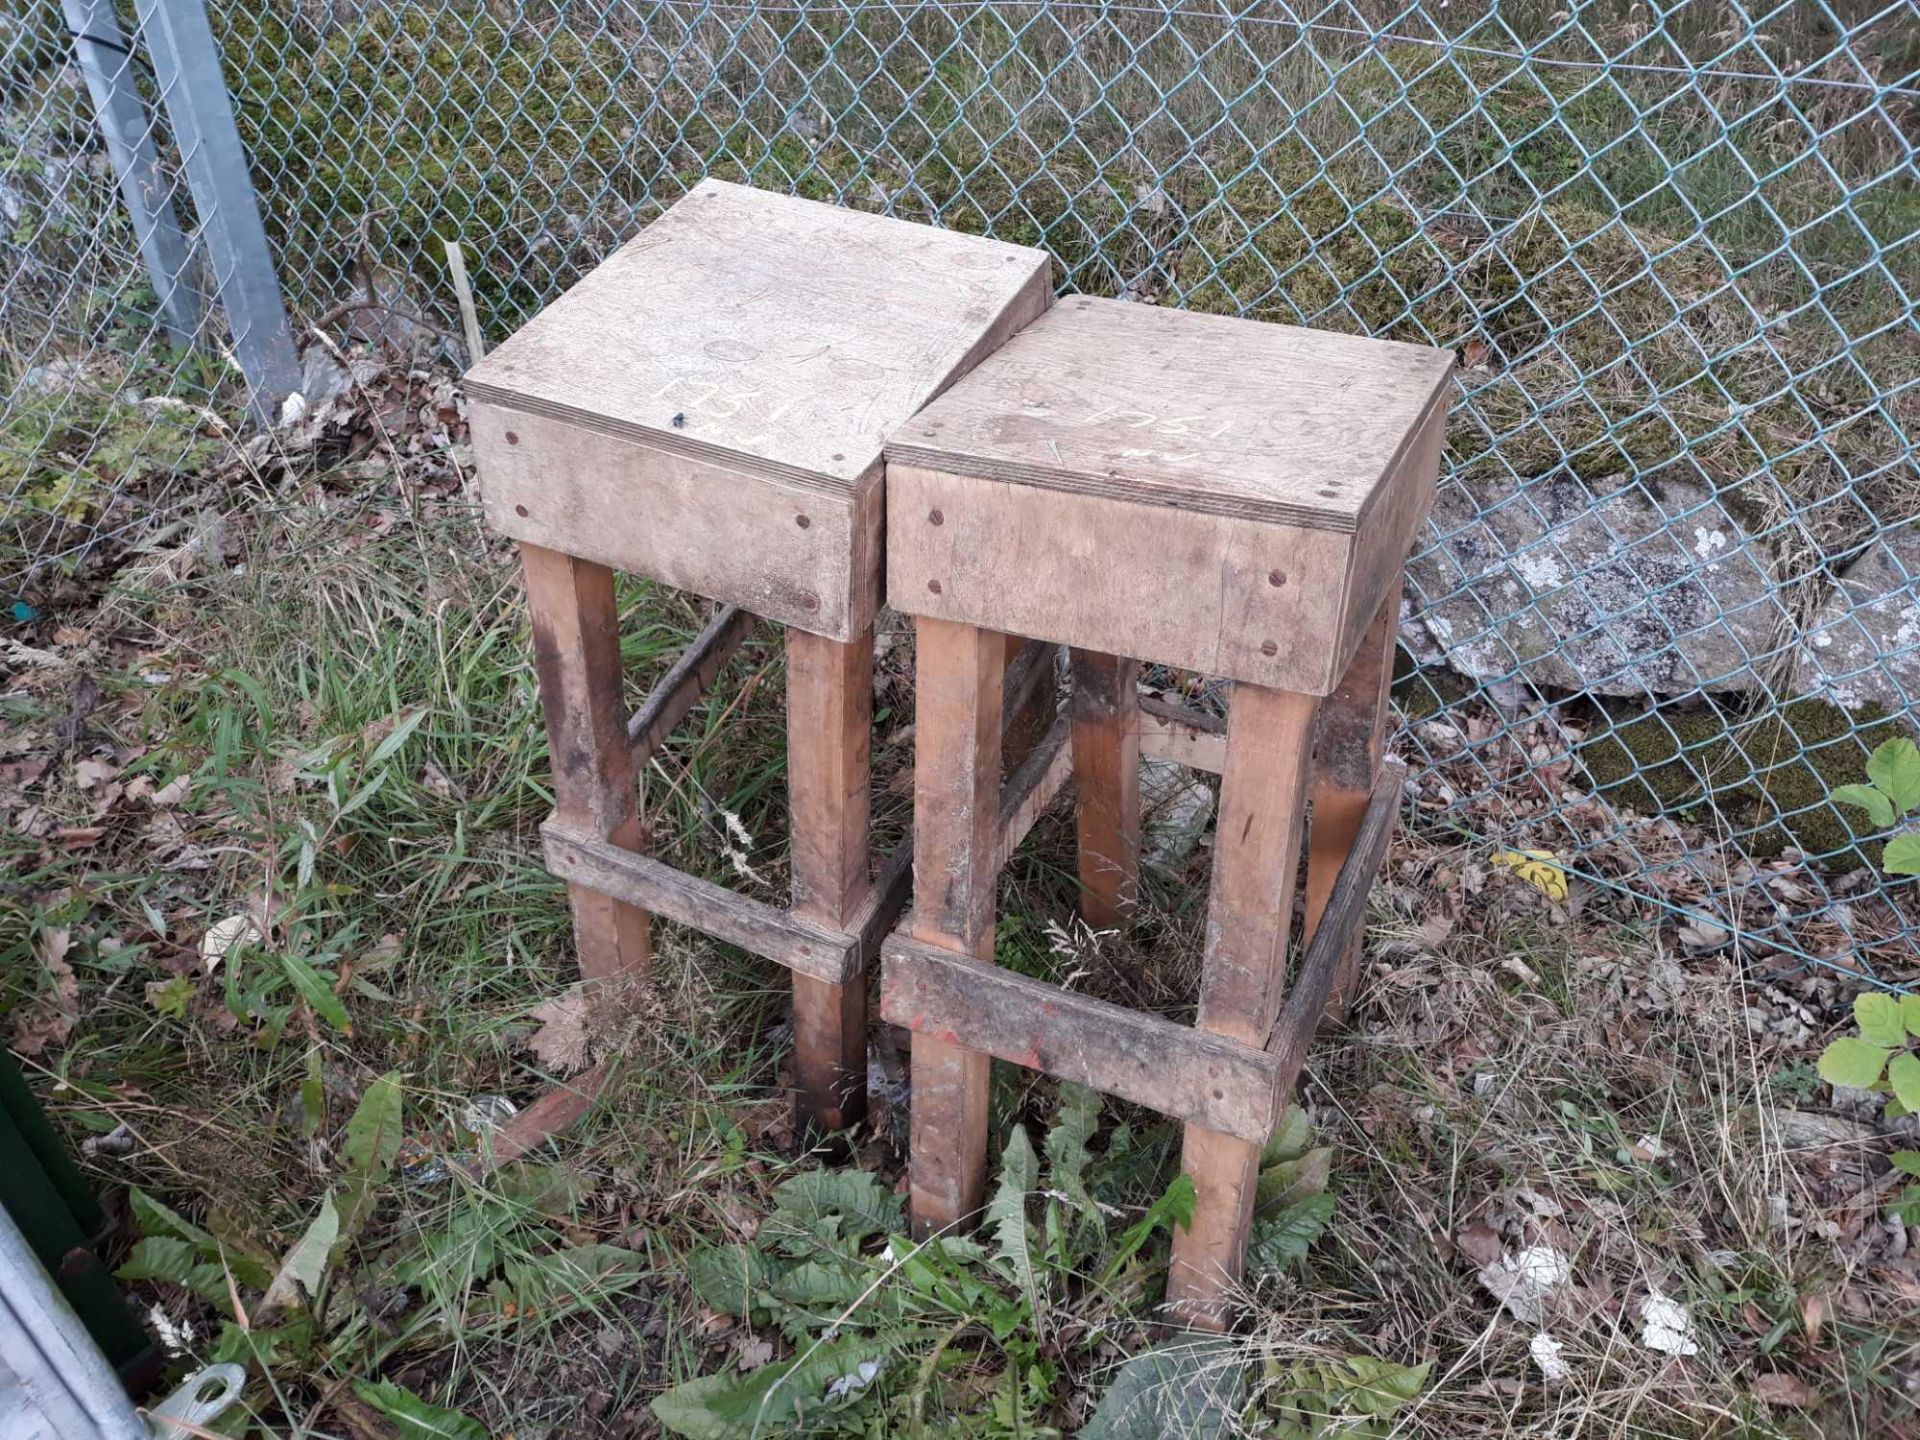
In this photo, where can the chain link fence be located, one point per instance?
(1668, 601)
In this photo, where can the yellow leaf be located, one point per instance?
(1538, 868)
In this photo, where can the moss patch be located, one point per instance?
(1767, 780)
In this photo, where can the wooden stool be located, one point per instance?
(1220, 495)
(707, 409)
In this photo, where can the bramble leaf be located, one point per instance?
(1894, 768)
(1851, 1061)
(1879, 1019)
(1903, 1074)
(1902, 855)
(1864, 797)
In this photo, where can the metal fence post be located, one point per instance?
(106, 60)
(186, 64)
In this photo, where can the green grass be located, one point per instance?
(356, 712)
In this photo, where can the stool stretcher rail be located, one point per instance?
(1340, 925)
(1145, 1058)
(1032, 785)
(1183, 735)
(648, 884)
(689, 678)
(1191, 1075)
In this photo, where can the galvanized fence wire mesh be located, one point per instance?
(104, 414)
(1668, 600)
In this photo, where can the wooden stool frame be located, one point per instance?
(1221, 496)
(1229, 1076)
(595, 836)
(707, 409)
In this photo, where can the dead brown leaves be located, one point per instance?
(564, 1039)
(48, 1019)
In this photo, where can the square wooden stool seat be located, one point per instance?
(707, 409)
(1219, 495)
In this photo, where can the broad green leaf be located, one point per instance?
(371, 1146)
(1852, 1061)
(1292, 1138)
(373, 1134)
(817, 1284)
(762, 1404)
(1287, 1236)
(157, 1219)
(1910, 1013)
(1878, 1016)
(1194, 1386)
(266, 1348)
(1864, 797)
(1903, 1074)
(305, 1264)
(161, 1257)
(1074, 1124)
(728, 1277)
(1907, 1162)
(1287, 1182)
(1006, 1216)
(1376, 1388)
(856, 1198)
(465, 1249)
(1894, 768)
(316, 991)
(1902, 856)
(414, 1418)
(575, 1276)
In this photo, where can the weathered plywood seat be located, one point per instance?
(1219, 495)
(708, 408)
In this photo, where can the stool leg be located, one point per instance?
(1106, 774)
(956, 817)
(1257, 852)
(829, 754)
(1346, 762)
(576, 653)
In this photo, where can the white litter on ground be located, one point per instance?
(1548, 1355)
(1522, 1280)
(1666, 1326)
